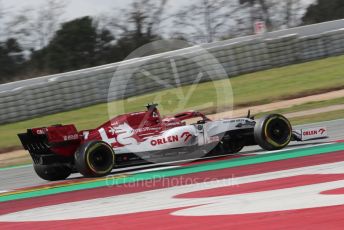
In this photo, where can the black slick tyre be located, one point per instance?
(52, 172)
(94, 159)
(272, 132)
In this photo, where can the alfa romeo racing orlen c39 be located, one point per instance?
(146, 137)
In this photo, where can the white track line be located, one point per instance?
(288, 199)
(155, 169)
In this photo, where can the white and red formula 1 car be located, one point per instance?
(141, 137)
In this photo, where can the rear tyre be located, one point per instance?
(52, 172)
(94, 159)
(272, 132)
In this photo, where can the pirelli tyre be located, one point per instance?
(94, 159)
(52, 172)
(272, 132)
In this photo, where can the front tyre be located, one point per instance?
(52, 172)
(94, 159)
(272, 132)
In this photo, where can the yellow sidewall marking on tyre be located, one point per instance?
(269, 139)
(88, 158)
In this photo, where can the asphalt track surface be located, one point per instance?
(297, 188)
(24, 176)
(290, 189)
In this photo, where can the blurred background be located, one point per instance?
(39, 37)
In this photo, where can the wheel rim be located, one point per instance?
(100, 159)
(278, 131)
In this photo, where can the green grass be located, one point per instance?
(307, 106)
(255, 88)
(289, 81)
(325, 116)
(318, 117)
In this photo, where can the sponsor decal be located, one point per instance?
(322, 130)
(116, 130)
(71, 137)
(147, 129)
(186, 135)
(164, 140)
(86, 134)
(173, 124)
(313, 133)
(240, 120)
(310, 132)
(40, 131)
(234, 121)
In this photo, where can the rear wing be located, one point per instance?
(57, 139)
(308, 134)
